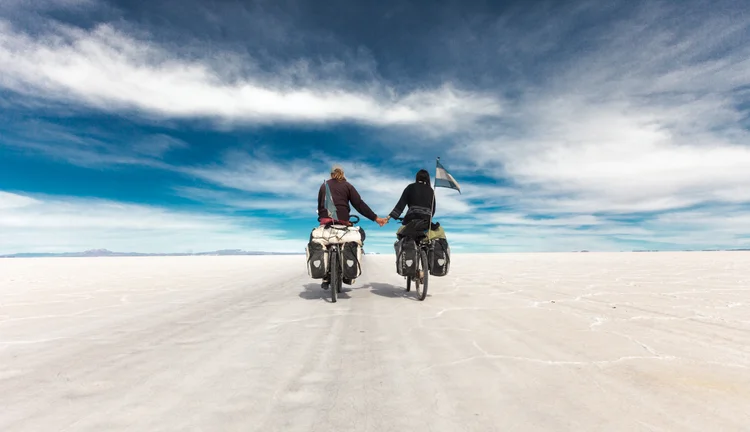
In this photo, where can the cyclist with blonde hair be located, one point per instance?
(342, 193)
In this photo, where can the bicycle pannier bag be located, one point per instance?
(352, 260)
(337, 235)
(317, 260)
(406, 257)
(441, 260)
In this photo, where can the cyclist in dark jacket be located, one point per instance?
(420, 197)
(342, 193)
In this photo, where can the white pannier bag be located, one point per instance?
(317, 257)
(336, 234)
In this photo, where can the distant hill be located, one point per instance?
(108, 253)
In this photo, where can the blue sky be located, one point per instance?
(170, 126)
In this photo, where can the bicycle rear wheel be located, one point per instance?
(335, 274)
(423, 276)
(408, 283)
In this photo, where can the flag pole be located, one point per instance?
(434, 191)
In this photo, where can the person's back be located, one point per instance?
(420, 197)
(341, 194)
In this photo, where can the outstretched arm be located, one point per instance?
(396, 213)
(360, 205)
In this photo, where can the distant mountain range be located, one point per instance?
(107, 253)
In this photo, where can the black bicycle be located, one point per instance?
(336, 264)
(422, 278)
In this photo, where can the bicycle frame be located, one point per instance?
(335, 258)
(424, 243)
(425, 248)
(428, 247)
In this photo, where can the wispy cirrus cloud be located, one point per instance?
(651, 117)
(264, 182)
(619, 162)
(14, 201)
(108, 69)
(89, 146)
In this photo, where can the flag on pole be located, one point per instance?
(330, 206)
(444, 179)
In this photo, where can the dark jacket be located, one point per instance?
(419, 196)
(343, 193)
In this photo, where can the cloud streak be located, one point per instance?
(107, 69)
(90, 146)
(651, 117)
(63, 224)
(260, 181)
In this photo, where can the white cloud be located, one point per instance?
(110, 70)
(520, 219)
(651, 120)
(262, 182)
(723, 226)
(61, 224)
(621, 164)
(237, 200)
(9, 201)
(258, 173)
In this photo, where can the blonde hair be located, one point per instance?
(338, 174)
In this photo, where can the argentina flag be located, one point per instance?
(444, 179)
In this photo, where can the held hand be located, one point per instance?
(381, 221)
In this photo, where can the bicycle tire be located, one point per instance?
(424, 268)
(340, 284)
(408, 283)
(335, 274)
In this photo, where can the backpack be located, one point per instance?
(440, 261)
(352, 260)
(317, 260)
(407, 255)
